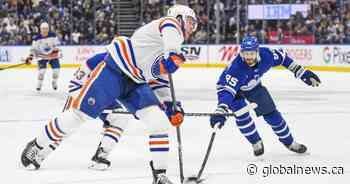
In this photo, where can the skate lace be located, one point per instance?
(257, 146)
(34, 154)
(295, 146)
(162, 179)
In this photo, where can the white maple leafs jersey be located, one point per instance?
(137, 56)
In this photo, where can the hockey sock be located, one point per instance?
(55, 74)
(280, 127)
(158, 135)
(111, 136)
(114, 126)
(60, 127)
(41, 76)
(247, 127)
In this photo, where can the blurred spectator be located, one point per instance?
(94, 21)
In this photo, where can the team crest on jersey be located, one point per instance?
(155, 65)
(91, 101)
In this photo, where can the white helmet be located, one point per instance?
(44, 25)
(183, 12)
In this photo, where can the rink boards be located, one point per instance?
(317, 57)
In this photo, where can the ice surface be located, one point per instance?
(318, 117)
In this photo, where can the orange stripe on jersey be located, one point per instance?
(135, 70)
(94, 74)
(69, 105)
(158, 142)
(172, 20)
(162, 69)
(152, 82)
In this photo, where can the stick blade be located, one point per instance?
(193, 180)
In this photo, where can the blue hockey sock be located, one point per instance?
(280, 127)
(247, 127)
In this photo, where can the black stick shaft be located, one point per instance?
(178, 130)
(206, 155)
(186, 113)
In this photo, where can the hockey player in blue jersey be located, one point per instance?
(45, 49)
(240, 81)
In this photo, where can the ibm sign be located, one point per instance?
(278, 11)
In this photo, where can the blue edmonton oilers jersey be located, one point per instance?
(239, 76)
(95, 60)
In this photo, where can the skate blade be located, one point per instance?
(193, 180)
(98, 167)
(30, 167)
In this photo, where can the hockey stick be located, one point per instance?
(178, 130)
(237, 113)
(197, 179)
(13, 66)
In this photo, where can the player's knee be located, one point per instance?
(274, 118)
(81, 116)
(41, 74)
(155, 119)
(237, 105)
(118, 120)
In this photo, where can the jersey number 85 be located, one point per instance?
(232, 81)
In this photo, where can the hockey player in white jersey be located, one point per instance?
(45, 49)
(153, 50)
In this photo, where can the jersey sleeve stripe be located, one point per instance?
(170, 22)
(133, 58)
(127, 57)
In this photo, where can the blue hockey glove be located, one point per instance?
(218, 117)
(175, 116)
(310, 78)
(171, 64)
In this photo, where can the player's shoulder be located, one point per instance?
(265, 50)
(169, 22)
(36, 37)
(40, 37)
(51, 34)
(236, 66)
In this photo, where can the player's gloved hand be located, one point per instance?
(172, 63)
(310, 78)
(29, 59)
(175, 116)
(218, 118)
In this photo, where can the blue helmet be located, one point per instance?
(249, 43)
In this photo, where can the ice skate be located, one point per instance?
(297, 148)
(258, 148)
(99, 160)
(32, 155)
(159, 176)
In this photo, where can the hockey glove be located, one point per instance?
(175, 116)
(307, 76)
(310, 78)
(218, 117)
(29, 59)
(171, 64)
